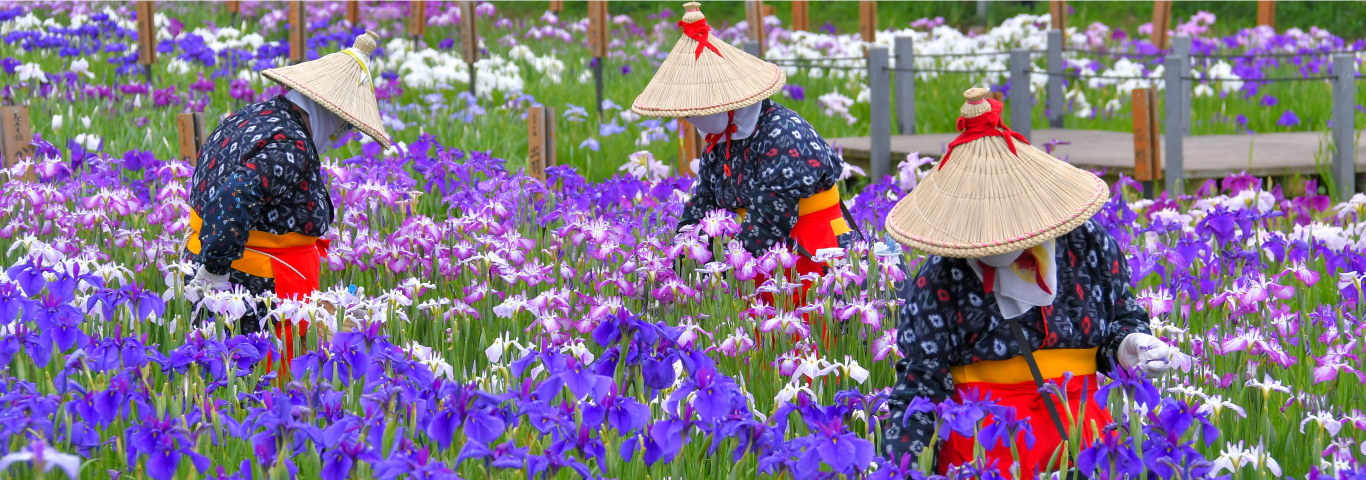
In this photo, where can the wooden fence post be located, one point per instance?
(867, 14)
(234, 6)
(1147, 157)
(754, 16)
(417, 18)
(190, 135)
(16, 139)
(469, 39)
(1057, 11)
(800, 21)
(1162, 19)
(298, 31)
(353, 12)
(557, 5)
(691, 146)
(1174, 140)
(1266, 13)
(147, 36)
(598, 28)
(540, 124)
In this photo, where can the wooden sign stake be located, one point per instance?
(1147, 157)
(540, 123)
(800, 21)
(353, 12)
(1057, 10)
(190, 136)
(417, 18)
(867, 14)
(1162, 19)
(298, 32)
(1266, 13)
(557, 5)
(234, 6)
(469, 38)
(999, 97)
(691, 146)
(147, 37)
(597, 42)
(16, 139)
(754, 16)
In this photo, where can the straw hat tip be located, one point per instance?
(976, 94)
(690, 6)
(366, 43)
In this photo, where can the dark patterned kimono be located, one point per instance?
(948, 321)
(782, 162)
(257, 171)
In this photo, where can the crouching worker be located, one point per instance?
(258, 198)
(762, 160)
(1021, 287)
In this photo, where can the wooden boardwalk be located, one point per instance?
(1206, 156)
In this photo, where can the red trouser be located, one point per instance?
(296, 277)
(813, 232)
(1028, 403)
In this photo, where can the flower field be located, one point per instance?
(491, 325)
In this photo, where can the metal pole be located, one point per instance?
(1055, 69)
(1181, 47)
(1344, 122)
(905, 84)
(1175, 165)
(880, 123)
(597, 79)
(751, 47)
(1021, 102)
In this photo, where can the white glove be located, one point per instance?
(204, 283)
(1147, 352)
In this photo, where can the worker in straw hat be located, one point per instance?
(260, 204)
(762, 160)
(1021, 288)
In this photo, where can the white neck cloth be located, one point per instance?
(1017, 289)
(323, 123)
(746, 119)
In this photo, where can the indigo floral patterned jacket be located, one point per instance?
(782, 162)
(258, 171)
(947, 321)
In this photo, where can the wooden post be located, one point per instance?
(417, 18)
(557, 5)
(539, 148)
(469, 39)
(998, 96)
(800, 21)
(353, 12)
(298, 28)
(1162, 19)
(867, 15)
(1266, 13)
(234, 6)
(16, 138)
(754, 16)
(147, 36)
(691, 146)
(190, 136)
(597, 43)
(1147, 157)
(1057, 10)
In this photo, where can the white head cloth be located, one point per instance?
(745, 120)
(322, 121)
(1017, 290)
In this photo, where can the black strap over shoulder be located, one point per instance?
(1028, 352)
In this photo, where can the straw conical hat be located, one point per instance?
(340, 82)
(695, 80)
(984, 200)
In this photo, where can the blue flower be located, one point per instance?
(591, 144)
(1288, 119)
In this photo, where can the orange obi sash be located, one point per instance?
(817, 205)
(1053, 363)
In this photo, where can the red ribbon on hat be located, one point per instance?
(698, 31)
(985, 125)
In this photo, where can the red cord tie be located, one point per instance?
(713, 138)
(698, 31)
(985, 125)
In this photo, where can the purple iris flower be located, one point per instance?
(1140, 389)
(164, 442)
(795, 92)
(1288, 119)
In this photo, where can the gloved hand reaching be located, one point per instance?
(1146, 352)
(205, 282)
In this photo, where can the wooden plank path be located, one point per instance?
(1206, 156)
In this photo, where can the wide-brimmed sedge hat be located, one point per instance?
(993, 192)
(704, 75)
(340, 82)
